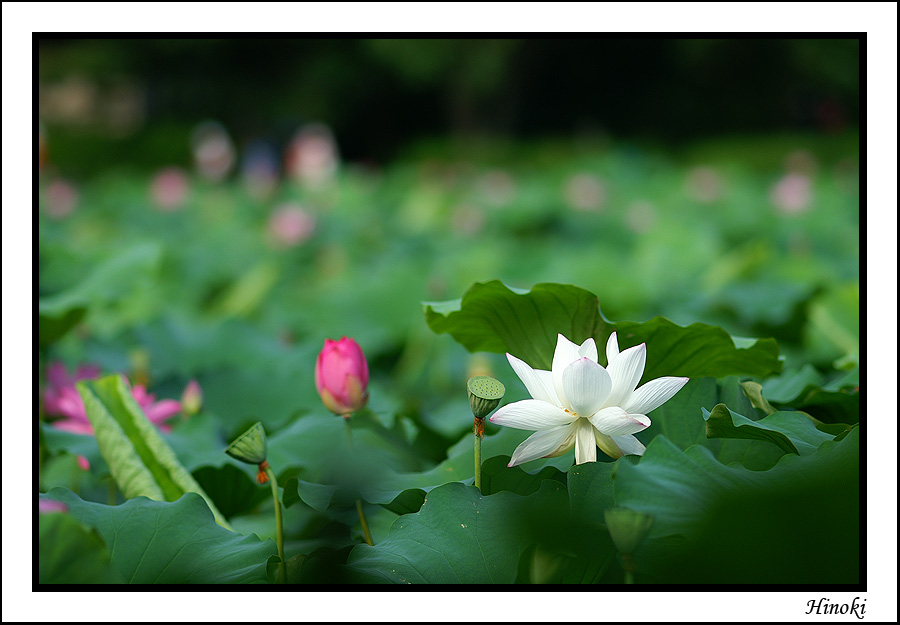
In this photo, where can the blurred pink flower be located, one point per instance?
(467, 219)
(62, 199)
(157, 411)
(84, 463)
(640, 216)
(60, 396)
(704, 185)
(585, 192)
(169, 188)
(290, 224)
(61, 399)
(48, 505)
(213, 150)
(312, 156)
(792, 194)
(342, 375)
(497, 188)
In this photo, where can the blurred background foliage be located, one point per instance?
(115, 102)
(215, 209)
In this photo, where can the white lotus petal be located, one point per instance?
(588, 349)
(531, 414)
(586, 385)
(607, 444)
(614, 421)
(565, 354)
(542, 444)
(612, 349)
(626, 370)
(538, 382)
(629, 445)
(585, 443)
(653, 394)
(566, 445)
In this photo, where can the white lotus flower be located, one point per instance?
(582, 404)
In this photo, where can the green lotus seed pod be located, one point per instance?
(485, 394)
(628, 528)
(249, 447)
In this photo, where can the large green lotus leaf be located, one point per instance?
(240, 397)
(187, 346)
(109, 281)
(497, 476)
(199, 441)
(248, 291)
(793, 432)
(833, 328)
(395, 489)
(70, 553)
(834, 401)
(161, 542)
(583, 556)
(462, 537)
(315, 443)
(140, 460)
(590, 487)
(677, 487)
(58, 441)
(316, 496)
(754, 392)
(681, 421)
(492, 317)
(52, 326)
(697, 350)
(231, 489)
(788, 386)
(795, 523)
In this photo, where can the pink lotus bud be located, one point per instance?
(192, 398)
(84, 463)
(342, 376)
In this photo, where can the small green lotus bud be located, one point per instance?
(628, 528)
(250, 447)
(485, 394)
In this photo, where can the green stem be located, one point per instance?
(359, 508)
(349, 431)
(362, 520)
(279, 526)
(477, 461)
